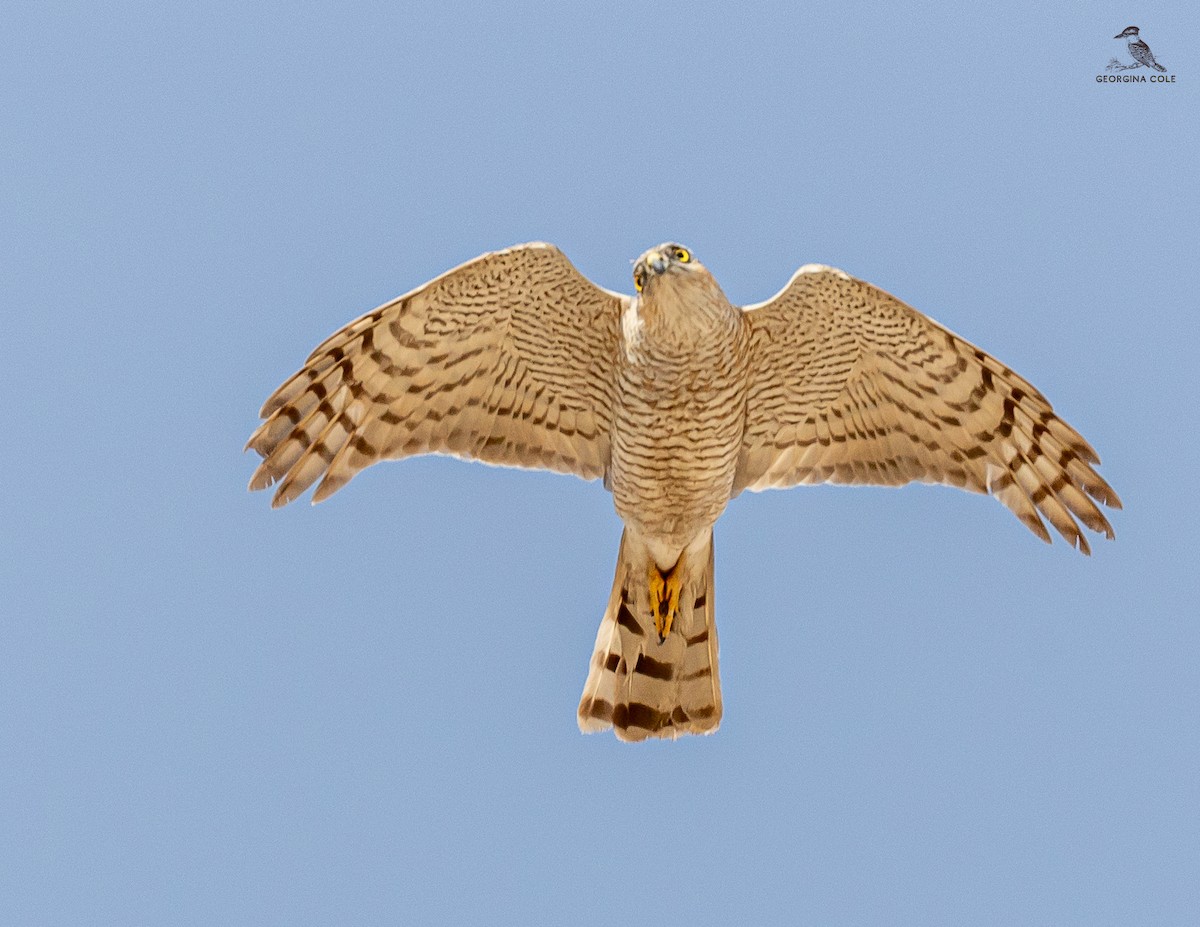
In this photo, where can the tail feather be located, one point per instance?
(643, 688)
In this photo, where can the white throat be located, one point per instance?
(632, 328)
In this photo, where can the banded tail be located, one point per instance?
(643, 688)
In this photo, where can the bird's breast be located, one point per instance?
(677, 432)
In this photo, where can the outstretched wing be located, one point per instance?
(508, 359)
(850, 385)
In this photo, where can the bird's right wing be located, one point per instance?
(850, 385)
(508, 359)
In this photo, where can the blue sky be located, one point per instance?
(363, 712)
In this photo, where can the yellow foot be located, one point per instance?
(665, 589)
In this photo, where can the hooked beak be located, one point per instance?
(656, 261)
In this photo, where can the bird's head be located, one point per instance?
(676, 295)
(670, 261)
(1129, 31)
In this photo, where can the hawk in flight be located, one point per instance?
(679, 400)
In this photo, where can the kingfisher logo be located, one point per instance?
(1143, 61)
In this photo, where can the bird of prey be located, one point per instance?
(1138, 49)
(679, 400)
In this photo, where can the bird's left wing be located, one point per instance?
(850, 385)
(508, 359)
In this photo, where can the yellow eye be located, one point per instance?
(682, 255)
(639, 279)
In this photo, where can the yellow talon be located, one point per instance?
(674, 589)
(664, 598)
(656, 584)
